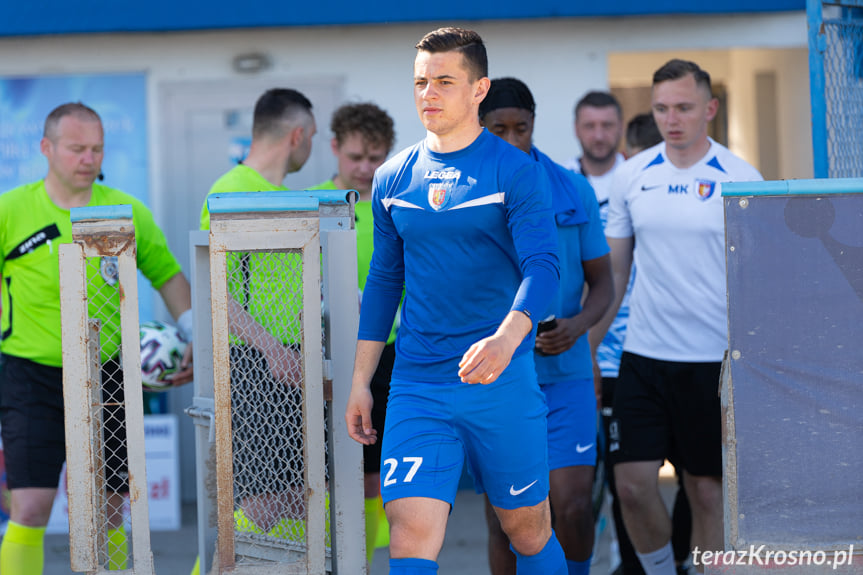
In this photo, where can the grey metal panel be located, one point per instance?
(342, 320)
(131, 357)
(83, 548)
(795, 296)
(202, 409)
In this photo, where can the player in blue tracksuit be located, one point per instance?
(563, 360)
(463, 221)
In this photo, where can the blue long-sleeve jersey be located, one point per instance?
(471, 236)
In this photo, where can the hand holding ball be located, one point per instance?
(162, 349)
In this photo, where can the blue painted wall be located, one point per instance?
(25, 18)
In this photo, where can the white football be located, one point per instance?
(162, 349)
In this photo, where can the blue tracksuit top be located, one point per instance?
(580, 237)
(471, 236)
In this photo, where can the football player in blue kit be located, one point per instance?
(563, 358)
(463, 221)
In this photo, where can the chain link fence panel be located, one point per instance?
(843, 68)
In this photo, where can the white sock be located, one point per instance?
(659, 562)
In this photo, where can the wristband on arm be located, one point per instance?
(185, 324)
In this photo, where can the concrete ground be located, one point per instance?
(463, 553)
(464, 549)
(174, 552)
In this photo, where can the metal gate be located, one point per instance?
(792, 385)
(274, 284)
(103, 403)
(836, 86)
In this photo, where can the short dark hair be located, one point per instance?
(596, 99)
(76, 109)
(642, 132)
(507, 93)
(677, 68)
(467, 42)
(274, 107)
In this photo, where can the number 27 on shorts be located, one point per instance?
(392, 464)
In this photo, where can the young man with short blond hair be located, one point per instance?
(666, 405)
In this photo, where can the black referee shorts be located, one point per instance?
(33, 430)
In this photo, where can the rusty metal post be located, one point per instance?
(78, 382)
(108, 233)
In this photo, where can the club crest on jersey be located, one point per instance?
(704, 188)
(439, 194)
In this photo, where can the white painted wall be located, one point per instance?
(791, 68)
(558, 59)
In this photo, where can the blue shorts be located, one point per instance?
(571, 423)
(500, 428)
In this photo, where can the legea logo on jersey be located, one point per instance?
(704, 188)
(445, 174)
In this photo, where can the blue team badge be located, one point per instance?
(704, 188)
(109, 270)
(440, 194)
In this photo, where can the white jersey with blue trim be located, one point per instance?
(678, 302)
(610, 349)
(471, 235)
(601, 184)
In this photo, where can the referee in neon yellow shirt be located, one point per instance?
(34, 220)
